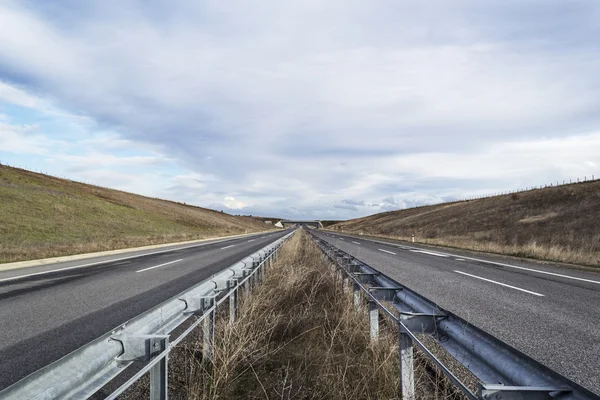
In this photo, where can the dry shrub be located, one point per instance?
(298, 337)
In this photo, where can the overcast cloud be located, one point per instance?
(302, 109)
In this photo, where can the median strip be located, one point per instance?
(296, 335)
(501, 284)
(158, 266)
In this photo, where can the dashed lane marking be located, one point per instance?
(158, 266)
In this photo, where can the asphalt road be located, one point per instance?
(549, 312)
(48, 311)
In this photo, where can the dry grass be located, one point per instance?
(43, 216)
(298, 337)
(556, 224)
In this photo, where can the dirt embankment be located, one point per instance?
(43, 216)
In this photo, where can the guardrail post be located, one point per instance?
(208, 337)
(261, 271)
(159, 383)
(233, 301)
(373, 320)
(407, 370)
(356, 290)
(254, 278)
(246, 286)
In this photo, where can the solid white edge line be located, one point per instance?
(385, 251)
(158, 266)
(226, 247)
(501, 284)
(355, 242)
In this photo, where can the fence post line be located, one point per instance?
(373, 320)
(159, 383)
(407, 370)
(208, 337)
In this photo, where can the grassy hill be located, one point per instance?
(557, 223)
(43, 216)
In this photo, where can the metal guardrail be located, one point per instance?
(145, 339)
(503, 372)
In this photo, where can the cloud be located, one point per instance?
(345, 207)
(354, 202)
(23, 139)
(232, 203)
(14, 95)
(312, 104)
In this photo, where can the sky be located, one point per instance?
(323, 109)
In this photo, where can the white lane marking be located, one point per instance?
(530, 269)
(158, 266)
(501, 284)
(341, 239)
(226, 247)
(385, 251)
(251, 240)
(502, 264)
(99, 263)
(355, 242)
(429, 252)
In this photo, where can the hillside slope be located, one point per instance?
(43, 216)
(556, 223)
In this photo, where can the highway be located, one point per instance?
(49, 311)
(549, 312)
